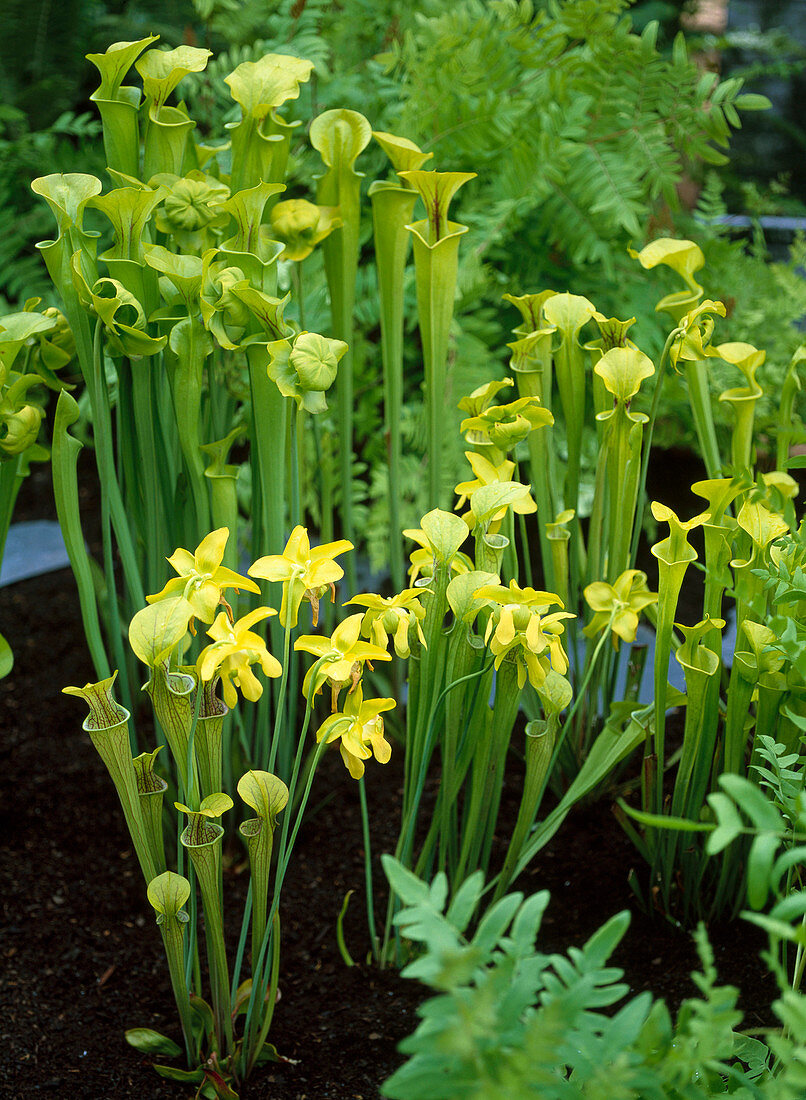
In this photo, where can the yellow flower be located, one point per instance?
(346, 656)
(489, 474)
(618, 605)
(360, 728)
(519, 625)
(202, 577)
(305, 573)
(234, 649)
(394, 615)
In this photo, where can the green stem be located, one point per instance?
(373, 934)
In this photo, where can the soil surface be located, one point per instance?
(82, 960)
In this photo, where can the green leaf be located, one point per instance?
(191, 1076)
(665, 821)
(752, 101)
(168, 892)
(759, 865)
(623, 370)
(152, 1042)
(67, 194)
(753, 802)
(495, 922)
(268, 1053)
(465, 901)
(6, 658)
(729, 823)
(157, 628)
(339, 136)
(214, 805)
(446, 533)
(265, 793)
(259, 86)
(162, 70)
(405, 884)
(115, 63)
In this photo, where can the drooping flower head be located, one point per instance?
(618, 605)
(360, 727)
(522, 625)
(234, 649)
(393, 616)
(345, 653)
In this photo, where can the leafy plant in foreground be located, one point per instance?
(509, 1020)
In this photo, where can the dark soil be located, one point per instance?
(82, 959)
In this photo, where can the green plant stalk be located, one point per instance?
(206, 858)
(407, 829)
(127, 459)
(611, 746)
(269, 997)
(696, 761)
(172, 932)
(789, 391)
(623, 491)
(121, 135)
(208, 740)
(436, 268)
(102, 427)
(279, 714)
(702, 414)
(464, 711)
(341, 943)
(10, 480)
(239, 954)
(107, 726)
(772, 690)
(446, 815)
(432, 670)
(462, 660)
(505, 710)
(392, 211)
(540, 738)
(670, 581)
(171, 696)
(591, 666)
(252, 153)
(253, 1038)
(341, 186)
(65, 491)
(373, 933)
(743, 680)
(269, 436)
(653, 413)
(744, 404)
(558, 543)
(57, 255)
(250, 1027)
(156, 533)
(599, 528)
(258, 838)
(185, 374)
(151, 790)
(534, 380)
(569, 360)
(165, 141)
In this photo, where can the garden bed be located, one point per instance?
(82, 960)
